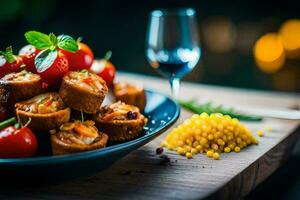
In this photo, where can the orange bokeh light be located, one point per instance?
(269, 52)
(290, 34)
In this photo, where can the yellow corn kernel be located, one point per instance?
(199, 148)
(188, 141)
(213, 131)
(238, 140)
(260, 133)
(210, 137)
(170, 147)
(195, 144)
(203, 141)
(164, 144)
(220, 142)
(214, 147)
(204, 115)
(220, 127)
(237, 149)
(189, 155)
(194, 151)
(188, 148)
(227, 149)
(180, 143)
(216, 156)
(269, 128)
(180, 151)
(209, 154)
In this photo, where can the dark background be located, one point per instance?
(120, 26)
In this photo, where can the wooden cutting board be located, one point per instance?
(141, 175)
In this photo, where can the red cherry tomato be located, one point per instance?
(17, 143)
(6, 67)
(28, 54)
(105, 69)
(3, 113)
(81, 59)
(54, 74)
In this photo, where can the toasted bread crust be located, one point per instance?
(137, 98)
(60, 148)
(121, 130)
(44, 122)
(12, 91)
(80, 99)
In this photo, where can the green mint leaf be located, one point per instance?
(38, 39)
(8, 55)
(67, 43)
(53, 39)
(45, 59)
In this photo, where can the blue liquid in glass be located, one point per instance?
(174, 64)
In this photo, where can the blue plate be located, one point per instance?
(161, 112)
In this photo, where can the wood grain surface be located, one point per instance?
(142, 175)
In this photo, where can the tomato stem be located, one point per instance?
(82, 117)
(79, 39)
(7, 122)
(27, 123)
(19, 120)
(107, 56)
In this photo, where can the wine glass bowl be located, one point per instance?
(173, 44)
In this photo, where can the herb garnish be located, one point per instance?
(209, 108)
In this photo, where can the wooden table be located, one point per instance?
(140, 175)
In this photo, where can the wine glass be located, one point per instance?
(172, 44)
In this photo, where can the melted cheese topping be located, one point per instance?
(119, 111)
(85, 80)
(43, 104)
(70, 133)
(23, 76)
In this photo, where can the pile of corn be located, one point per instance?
(210, 134)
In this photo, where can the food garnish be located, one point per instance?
(211, 134)
(50, 62)
(16, 141)
(209, 108)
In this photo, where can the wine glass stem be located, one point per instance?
(175, 86)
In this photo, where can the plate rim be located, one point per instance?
(98, 153)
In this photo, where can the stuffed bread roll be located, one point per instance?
(77, 136)
(120, 121)
(83, 91)
(130, 94)
(20, 86)
(46, 111)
